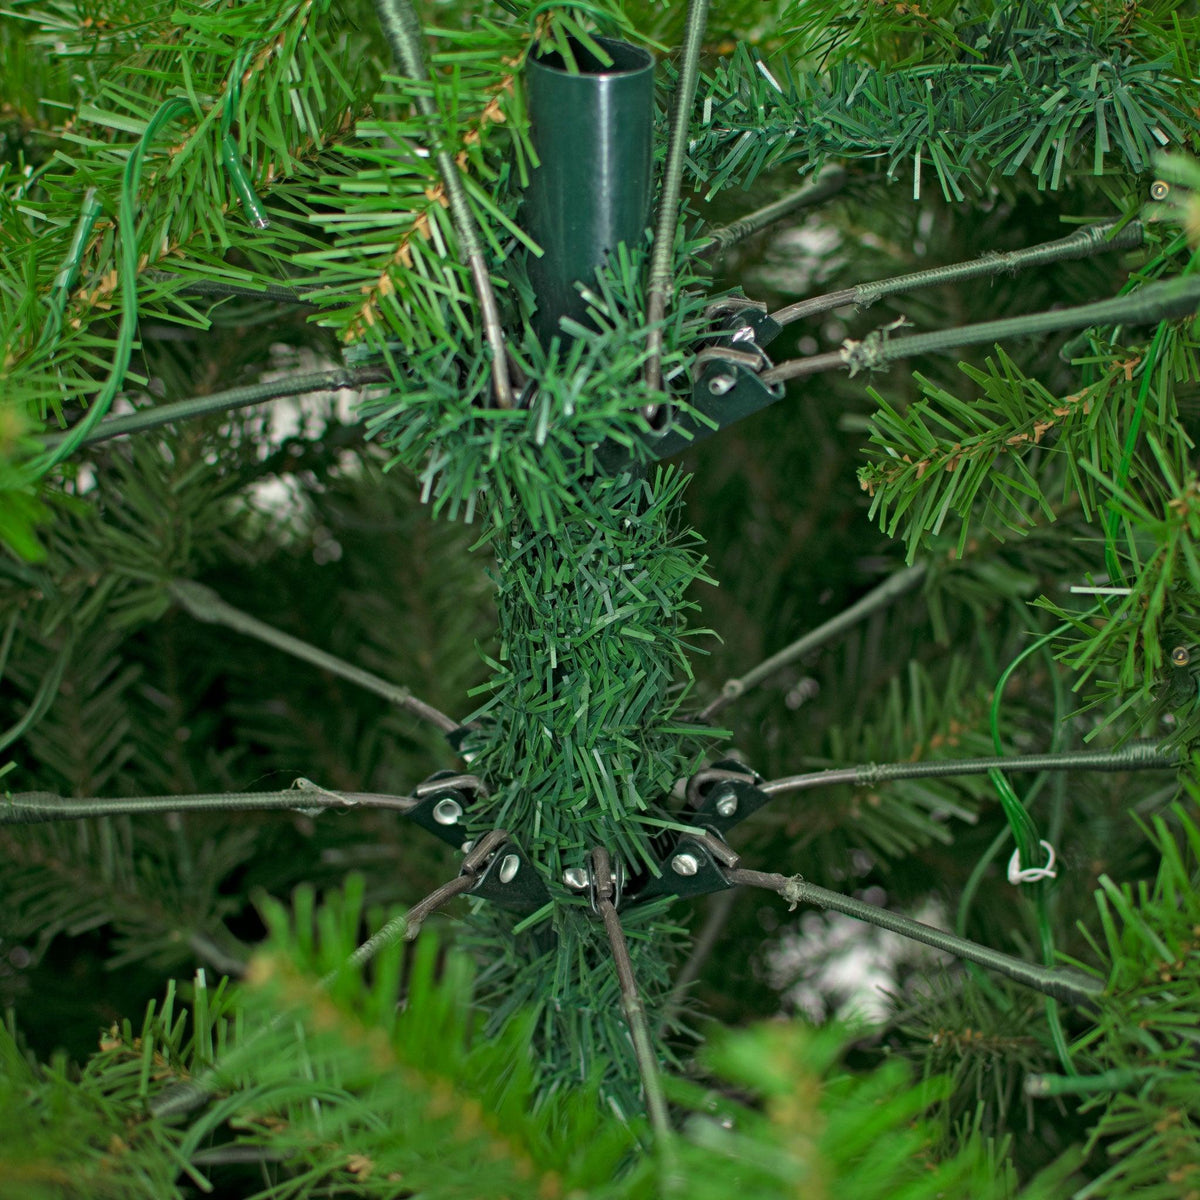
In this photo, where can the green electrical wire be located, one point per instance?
(1028, 838)
(64, 281)
(231, 157)
(127, 265)
(1113, 516)
(43, 697)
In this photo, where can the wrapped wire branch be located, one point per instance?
(1154, 302)
(891, 589)
(659, 283)
(31, 808)
(205, 605)
(1138, 757)
(403, 31)
(1060, 983)
(227, 401)
(1083, 243)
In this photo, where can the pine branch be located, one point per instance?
(1050, 97)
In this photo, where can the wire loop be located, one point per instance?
(1018, 874)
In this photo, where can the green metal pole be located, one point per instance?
(592, 129)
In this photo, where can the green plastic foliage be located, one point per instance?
(579, 738)
(67, 1133)
(581, 725)
(329, 1081)
(1052, 89)
(1145, 1029)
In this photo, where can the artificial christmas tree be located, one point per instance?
(207, 612)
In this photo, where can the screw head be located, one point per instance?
(685, 864)
(575, 878)
(510, 864)
(447, 811)
(718, 385)
(727, 805)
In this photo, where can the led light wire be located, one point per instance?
(231, 157)
(128, 263)
(1113, 515)
(1028, 839)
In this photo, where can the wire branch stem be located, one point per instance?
(241, 397)
(402, 29)
(1062, 983)
(1083, 243)
(32, 808)
(205, 605)
(631, 1002)
(1138, 757)
(1154, 302)
(880, 597)
(660, 279)
(408, 925)
(826, 183)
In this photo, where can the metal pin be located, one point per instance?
(727, 805)
(718, 385)
(447, 811)
(685, 864)
(509, 866)
(575, 878)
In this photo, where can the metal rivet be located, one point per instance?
(1159, 190)
(685, 864)
(447, 811)
(727, 805)
(1180, 656)
(509, 866)
(575, 877)
(718, 385)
